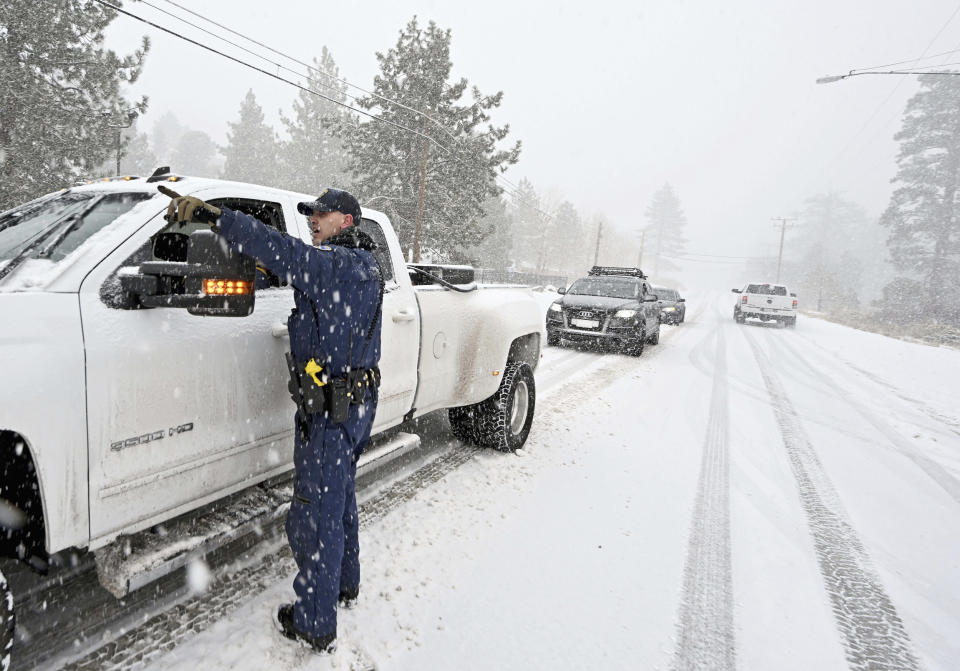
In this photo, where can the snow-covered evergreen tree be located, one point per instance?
(61, 94)
(495, 248)
(251, 151)
(137, 157)
(195, 154)
(923, 215)
(433, 175)
(314, 157)
(529, 226)
(664, 234)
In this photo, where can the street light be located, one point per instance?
(853, 73)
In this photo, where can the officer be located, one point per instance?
(335, 348)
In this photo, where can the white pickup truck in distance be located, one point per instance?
(133, 392)
(767, 302)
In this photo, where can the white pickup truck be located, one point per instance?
(766, 302)
(129, 397)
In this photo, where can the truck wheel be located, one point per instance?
(503, 420)
(791, 323)
(6, 624)
(738, 317)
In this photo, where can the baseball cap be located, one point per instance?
(331, 200)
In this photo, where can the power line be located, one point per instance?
(890, 95)
(307, 90)
(911, 60)
(269, 74)
(299, 62)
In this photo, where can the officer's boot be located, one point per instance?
(285, 619)
(348, 598)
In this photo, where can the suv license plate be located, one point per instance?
(585, 323)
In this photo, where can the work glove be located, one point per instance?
(184, 209)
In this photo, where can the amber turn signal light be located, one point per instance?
(226, 287)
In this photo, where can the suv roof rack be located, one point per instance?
(614, 270)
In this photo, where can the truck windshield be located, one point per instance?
(614, 287)
(21, 227)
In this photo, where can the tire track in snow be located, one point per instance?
(153, 636)
(705, 628)
(871, 631)
(934, 470)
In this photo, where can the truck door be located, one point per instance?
(400, 333)
(400, 337)
(183, 409)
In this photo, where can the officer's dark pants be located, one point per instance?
(322, 525)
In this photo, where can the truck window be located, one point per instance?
(382, 253)
(170, 244)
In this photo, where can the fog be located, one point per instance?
(612, 100)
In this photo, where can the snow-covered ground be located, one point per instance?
(739, 497)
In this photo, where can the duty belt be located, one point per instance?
(314, 392)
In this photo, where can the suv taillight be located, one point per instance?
(794, 302)
(743, 299)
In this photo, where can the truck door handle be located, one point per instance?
(279, 330)
(404, 315)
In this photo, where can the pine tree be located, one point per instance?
(314, 156)
(494, 250)
(195, 154)
(137, 157)
(664, 234)
(924, 212)
(829, 237)
(251, 151)
(431, 175)
(61, 94)
(561, 241)
(528, 227)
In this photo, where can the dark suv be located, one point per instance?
(612, 307)
(673, 307)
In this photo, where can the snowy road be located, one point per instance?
(738, 497)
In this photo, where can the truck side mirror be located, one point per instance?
(215, 279)
(736, 291)
(562, 290)
(681, 300)
(794, 295)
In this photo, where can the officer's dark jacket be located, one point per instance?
(336, 291)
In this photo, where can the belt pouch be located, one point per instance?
(339, 403)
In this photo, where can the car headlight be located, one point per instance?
(625, 314)
(669, 309)
(554, 307)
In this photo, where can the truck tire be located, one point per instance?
(6, 624)
(738, 316)
(503, 420)
(791, 322)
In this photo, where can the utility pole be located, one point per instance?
(132, 115)
(421, 195)
(783, 229)
(596, 253)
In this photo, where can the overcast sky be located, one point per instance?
(612, 98)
